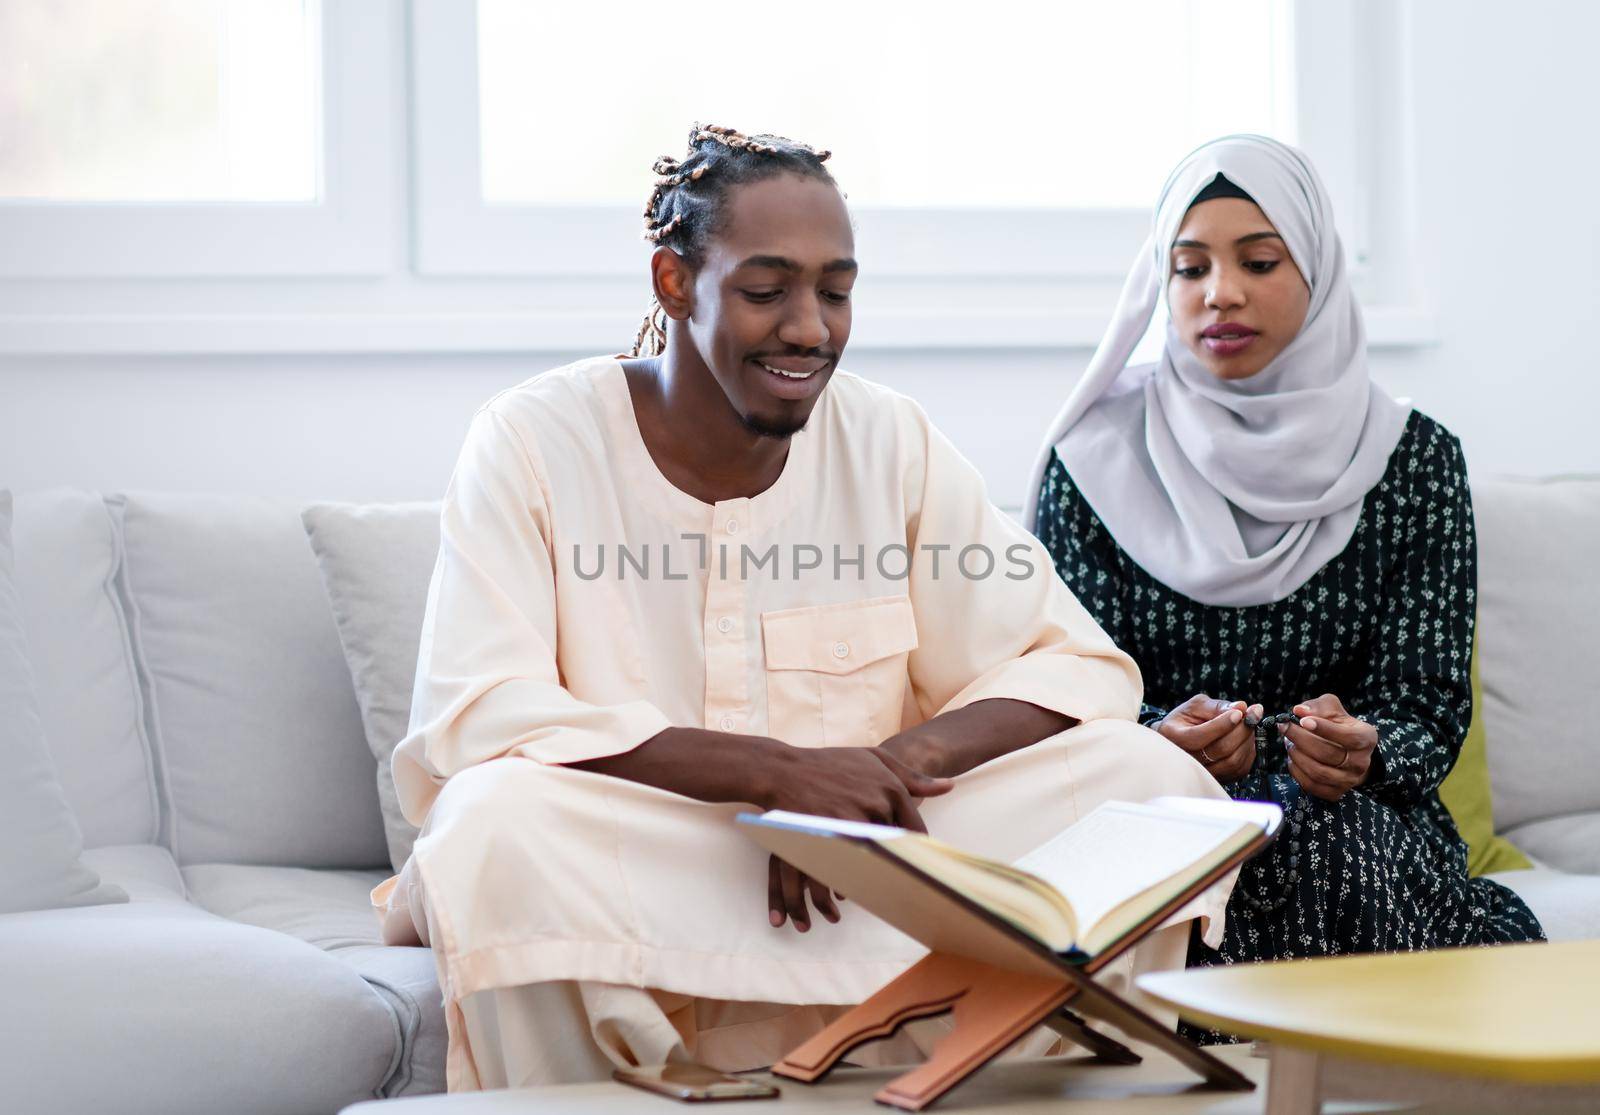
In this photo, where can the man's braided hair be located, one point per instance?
(686, 206)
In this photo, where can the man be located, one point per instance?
(716, 575)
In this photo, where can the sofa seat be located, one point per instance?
(146, 871)
(1566, 904)
(1570, 842)
(331, 910)
(159, 1006)
(322, 907)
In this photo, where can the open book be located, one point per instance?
(1083, 890)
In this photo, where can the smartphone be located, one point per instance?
(694, 1083)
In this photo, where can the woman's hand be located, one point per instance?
(849, 783)
(1215, 733)
(1330, 751)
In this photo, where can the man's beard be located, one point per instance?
(781, 432)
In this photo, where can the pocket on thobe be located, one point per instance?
(836, 673)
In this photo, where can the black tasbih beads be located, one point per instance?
(1266, 730)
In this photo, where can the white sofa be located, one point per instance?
(207, 735)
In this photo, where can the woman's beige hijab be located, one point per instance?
(1231, 492)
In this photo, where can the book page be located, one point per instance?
(1121, 849)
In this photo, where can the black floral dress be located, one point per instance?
(1387, 626)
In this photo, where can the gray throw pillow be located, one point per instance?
(40, 841)
(376, 562)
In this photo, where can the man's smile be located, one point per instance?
(793, 367)
(793, 378)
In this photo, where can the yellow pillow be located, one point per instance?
(1465, 794)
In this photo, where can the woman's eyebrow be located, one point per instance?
(1242, 240)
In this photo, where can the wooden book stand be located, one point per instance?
(996, 982)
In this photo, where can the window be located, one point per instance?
(1078, 104)
(160, 100)
(152, 138)
(1028, 143)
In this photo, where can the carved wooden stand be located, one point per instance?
(991, 1008)
(1016, 985)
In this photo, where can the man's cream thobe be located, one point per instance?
(581, 604)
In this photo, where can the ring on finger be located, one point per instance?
(1204, 755)
(1344, 757)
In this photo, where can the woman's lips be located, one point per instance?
(1227, 339)
(1228, 346)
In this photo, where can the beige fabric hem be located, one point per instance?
(568, 1032)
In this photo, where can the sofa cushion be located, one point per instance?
(333, 910)
(162, 1007)
(68, 561)
(329, 909)
(1568, 906)
(376, 562)
(1539, 620)
(147, 872)
(40, 842)
(251, 708)
(1569, 843)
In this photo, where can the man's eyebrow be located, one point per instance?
(783, 263)
(780, 263)
(1242, 240)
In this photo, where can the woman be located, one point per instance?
(1289, 555)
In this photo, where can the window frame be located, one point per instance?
(458, 233)
(442, 272)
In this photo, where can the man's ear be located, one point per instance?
(673, 281)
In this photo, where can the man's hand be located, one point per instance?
(1330, 751)
(1215, 733)
(851, 784)
(916, 749)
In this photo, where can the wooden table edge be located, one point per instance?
(1519, 1070)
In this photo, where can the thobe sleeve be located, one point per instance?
(487, 683)
(993, 618)
(1087, 560)
(1416, 687)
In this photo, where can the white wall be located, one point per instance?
(378, 428)
(1508, 241)
(1509, 231)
